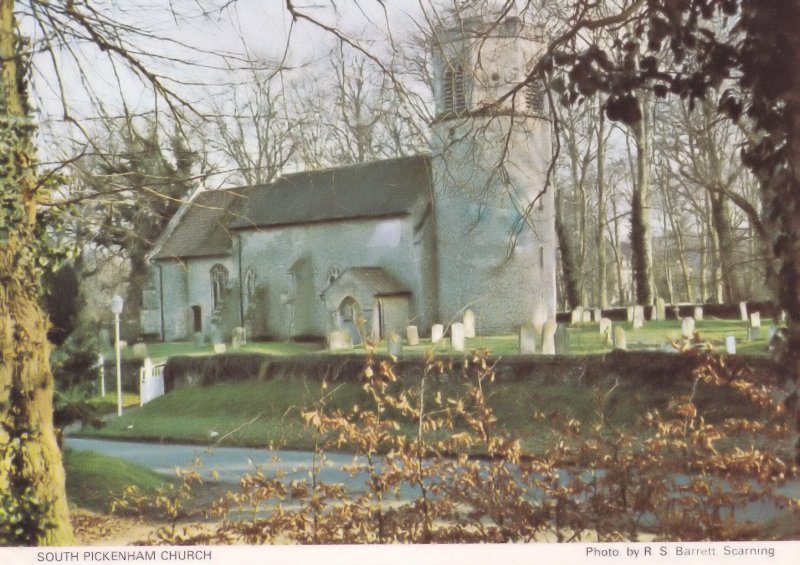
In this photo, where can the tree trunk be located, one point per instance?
(640, 215)
(31, 471)
(602, 261)
(721, 221)
(568, 267)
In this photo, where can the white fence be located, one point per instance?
(151, 381)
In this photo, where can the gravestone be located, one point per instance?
(698, 312)
(629, 311)
(638, 317)
(562, 339)
(771, 331)
(587, 316)
(395, 344)
(123, 347)
(457, 337)
(605, 325)
(620, 341)
(730, 344)
(548, 338)
(139, 350)
(577, 315)
(527, 339)
(687, 327)
(238, 338)
(412, 335)
(743, 310)
(219, 348)
(598, 315)
(661, 309)
(469, 323)
(337, 340)
(437, 333)
(755, 320)
(199, 339)
(753, 333)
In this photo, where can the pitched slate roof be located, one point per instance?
(376, 279)
(204, 228)
(368, 190)
(380, 188)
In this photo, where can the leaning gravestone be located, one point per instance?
(412, 335)
(743, 310)
(395, 344)
(437, 333)
(687, 327)
(638, 317)
(577, 315)
(698, 312)
(562, 339)
(661, 309)
(238, 338)
(139, 350)
(527, 339)
(620, 341)
(548, 338)
(457, 337)
(469, 323)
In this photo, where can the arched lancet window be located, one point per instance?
(249, 287)
(455, 94)
(219, 282)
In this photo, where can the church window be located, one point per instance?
(534, 97)
(249, 287)
(333, 273)
(219, 282)
(455, 94)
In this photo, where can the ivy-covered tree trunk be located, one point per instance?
(31, 472)
(642, 254)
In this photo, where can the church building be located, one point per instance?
(374, 247)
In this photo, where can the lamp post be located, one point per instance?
(116, 307)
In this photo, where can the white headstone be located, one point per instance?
(238, 338)
(755, 320)
(605, 326)
(469, 323)
(548, 338)
(412, 335)
(577, 315)
(437, 333)
(660, 309)
(527, 339)
(698, 312)
(638, 317)
(598, 314)
(395, 344)
(587, 316)
(629, 311)
(730, 344)
(620, 341)
(219, 348)
(457, 337)
(743, 310)
(339, 340)
(687, 327)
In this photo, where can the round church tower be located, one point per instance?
(495, 223)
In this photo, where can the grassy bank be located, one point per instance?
(261, 413)
(94, 480)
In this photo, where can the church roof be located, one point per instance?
(366, 190)
(380, 188)
(376, 279)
